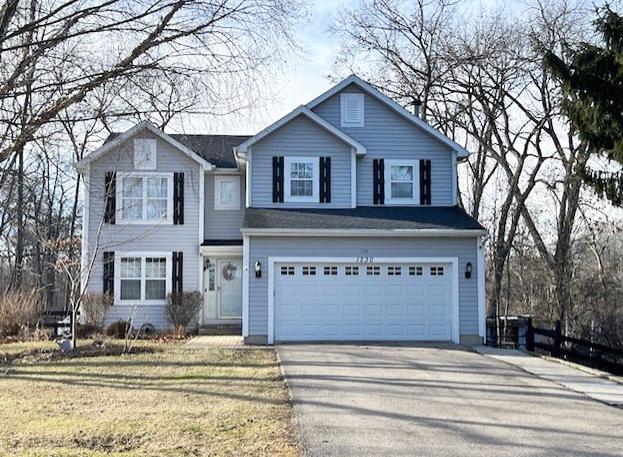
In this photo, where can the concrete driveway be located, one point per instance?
(380, 400)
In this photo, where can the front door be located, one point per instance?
(229, 288)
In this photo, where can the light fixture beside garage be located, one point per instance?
(468, 270)
(258, 269)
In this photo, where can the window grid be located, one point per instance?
(351, 271)
(144, 198)
(330, 270)
(309, 271)
(287, 270)
(416, 271)
(436, 271)
(394, 271)
(373, 271)
(142, 278)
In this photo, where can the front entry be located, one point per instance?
(223, 291)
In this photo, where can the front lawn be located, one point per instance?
(170, 402)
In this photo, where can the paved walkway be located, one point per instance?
(443, 401)
(591, 383)
(216, 341)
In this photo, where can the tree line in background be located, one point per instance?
(73, 70)
(535, 92)
(523, 89)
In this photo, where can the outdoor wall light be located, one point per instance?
(258, 269)
(468, 270)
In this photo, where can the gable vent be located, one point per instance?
(352, 110)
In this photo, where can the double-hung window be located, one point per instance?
(402, 183)
(301, 183)
(145, 198)
(227, 192)
(142, 278)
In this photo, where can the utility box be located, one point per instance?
(512, 331)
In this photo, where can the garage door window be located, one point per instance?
(351, 271)
(309, 271)
(436, 271)
(330, 271)
(373, 271)
(394, 271)
(415, 271)
(287, 271)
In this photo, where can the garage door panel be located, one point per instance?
(349, 304)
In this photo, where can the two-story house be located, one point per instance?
(337, 222)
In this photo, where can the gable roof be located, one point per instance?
(397, 219)
(416, 120)
(302, 111)
(216, 150)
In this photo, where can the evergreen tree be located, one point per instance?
(591, 79)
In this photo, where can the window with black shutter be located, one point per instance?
(177, 272)
(109, 273)
(325, 179)
(178, 198)
(425, 182)
(277, 179)
(110, 189)
(378, 181)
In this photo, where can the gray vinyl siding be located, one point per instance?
(464, 248)
(222, 224)
(388, 135)
(300, 137)
(155, 238)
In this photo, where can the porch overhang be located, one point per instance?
(221, 248)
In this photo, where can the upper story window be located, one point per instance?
(145, 198)
(227, 192)
(402, 182)
(301, 183)
(352, 110)
(145, 157)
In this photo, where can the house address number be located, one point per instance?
(365, 259)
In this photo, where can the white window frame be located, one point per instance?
(144, 220)
(218, 205)
(344, 98)
(388, 182)
(142, 255)
(288, 161)
(142, 146)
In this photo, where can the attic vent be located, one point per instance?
(145, 154)
(352, 109)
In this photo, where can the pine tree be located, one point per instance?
(591, 79)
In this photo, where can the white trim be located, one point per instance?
(80, 165)
(343, 101)
(143, 174)
(304, 111)
(218, 251)
(246, 271)
(415, 233)
(84, 259)
(415, 183)
(481, 271)
(218, 206)
(201, 233)
(288, 161)
(353, 178)
(354, 79)
(248, 182)
(454, 180)
(454, 261)
(142, 255)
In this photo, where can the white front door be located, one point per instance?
(229, 288)
(338, 301)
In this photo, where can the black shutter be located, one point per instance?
(110, 187)
(325, 179)
(177, 271)
(378, 181)
(178, 198)
(277, 179)
(109, 273)
(425, 196)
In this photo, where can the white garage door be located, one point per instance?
(342, 302)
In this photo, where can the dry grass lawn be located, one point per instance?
(172, 402)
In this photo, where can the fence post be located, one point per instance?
(529, 335)
(557, 339)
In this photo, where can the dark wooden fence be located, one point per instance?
(573, 349)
